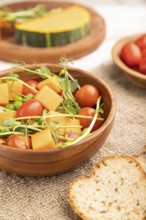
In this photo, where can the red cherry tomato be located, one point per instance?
(86, 122)
(19, 141)
(144, 53)
(30, 108)
(141, 42)
(142, 66)
(33, 84)
(87, 96)
(131, 54)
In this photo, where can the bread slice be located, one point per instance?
(116, 190)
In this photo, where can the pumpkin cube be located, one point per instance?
(53, 83)
(4, 94)
(48, 98)
(61, 120)
(7, 115)
(42, 140)
(72, 122)
(15, 89)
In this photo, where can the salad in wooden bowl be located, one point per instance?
(52, 117)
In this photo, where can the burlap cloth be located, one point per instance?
(44, 198)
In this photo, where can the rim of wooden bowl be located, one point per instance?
(107, 122)
(118, 61)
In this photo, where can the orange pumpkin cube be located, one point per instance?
(42, 140)
(4, 94)
(53, 83)
(48, 98)
(61, 120)
(72, 122)
(15, 89)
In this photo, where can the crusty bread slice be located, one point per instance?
(116, 190)
(142, 160)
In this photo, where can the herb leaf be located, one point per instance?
(73, 85)
(15, 76)
(101, 110)
(22, 15)
(45, 70)
(71, 106)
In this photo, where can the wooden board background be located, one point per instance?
(9, 51)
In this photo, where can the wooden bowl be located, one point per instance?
(54, 161)
(135, 77)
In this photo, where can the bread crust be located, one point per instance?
(142, 161)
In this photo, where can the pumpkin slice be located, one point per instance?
(54, 29)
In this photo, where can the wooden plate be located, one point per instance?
(135, 77)
(10, 51)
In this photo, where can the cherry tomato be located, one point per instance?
(87, 111)
(142, 66)
(30, 108)
(19, 141)
(73, 135)
(144, 53)
(131, 54)
(141, 42)
(87, 96)
(33, 84)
